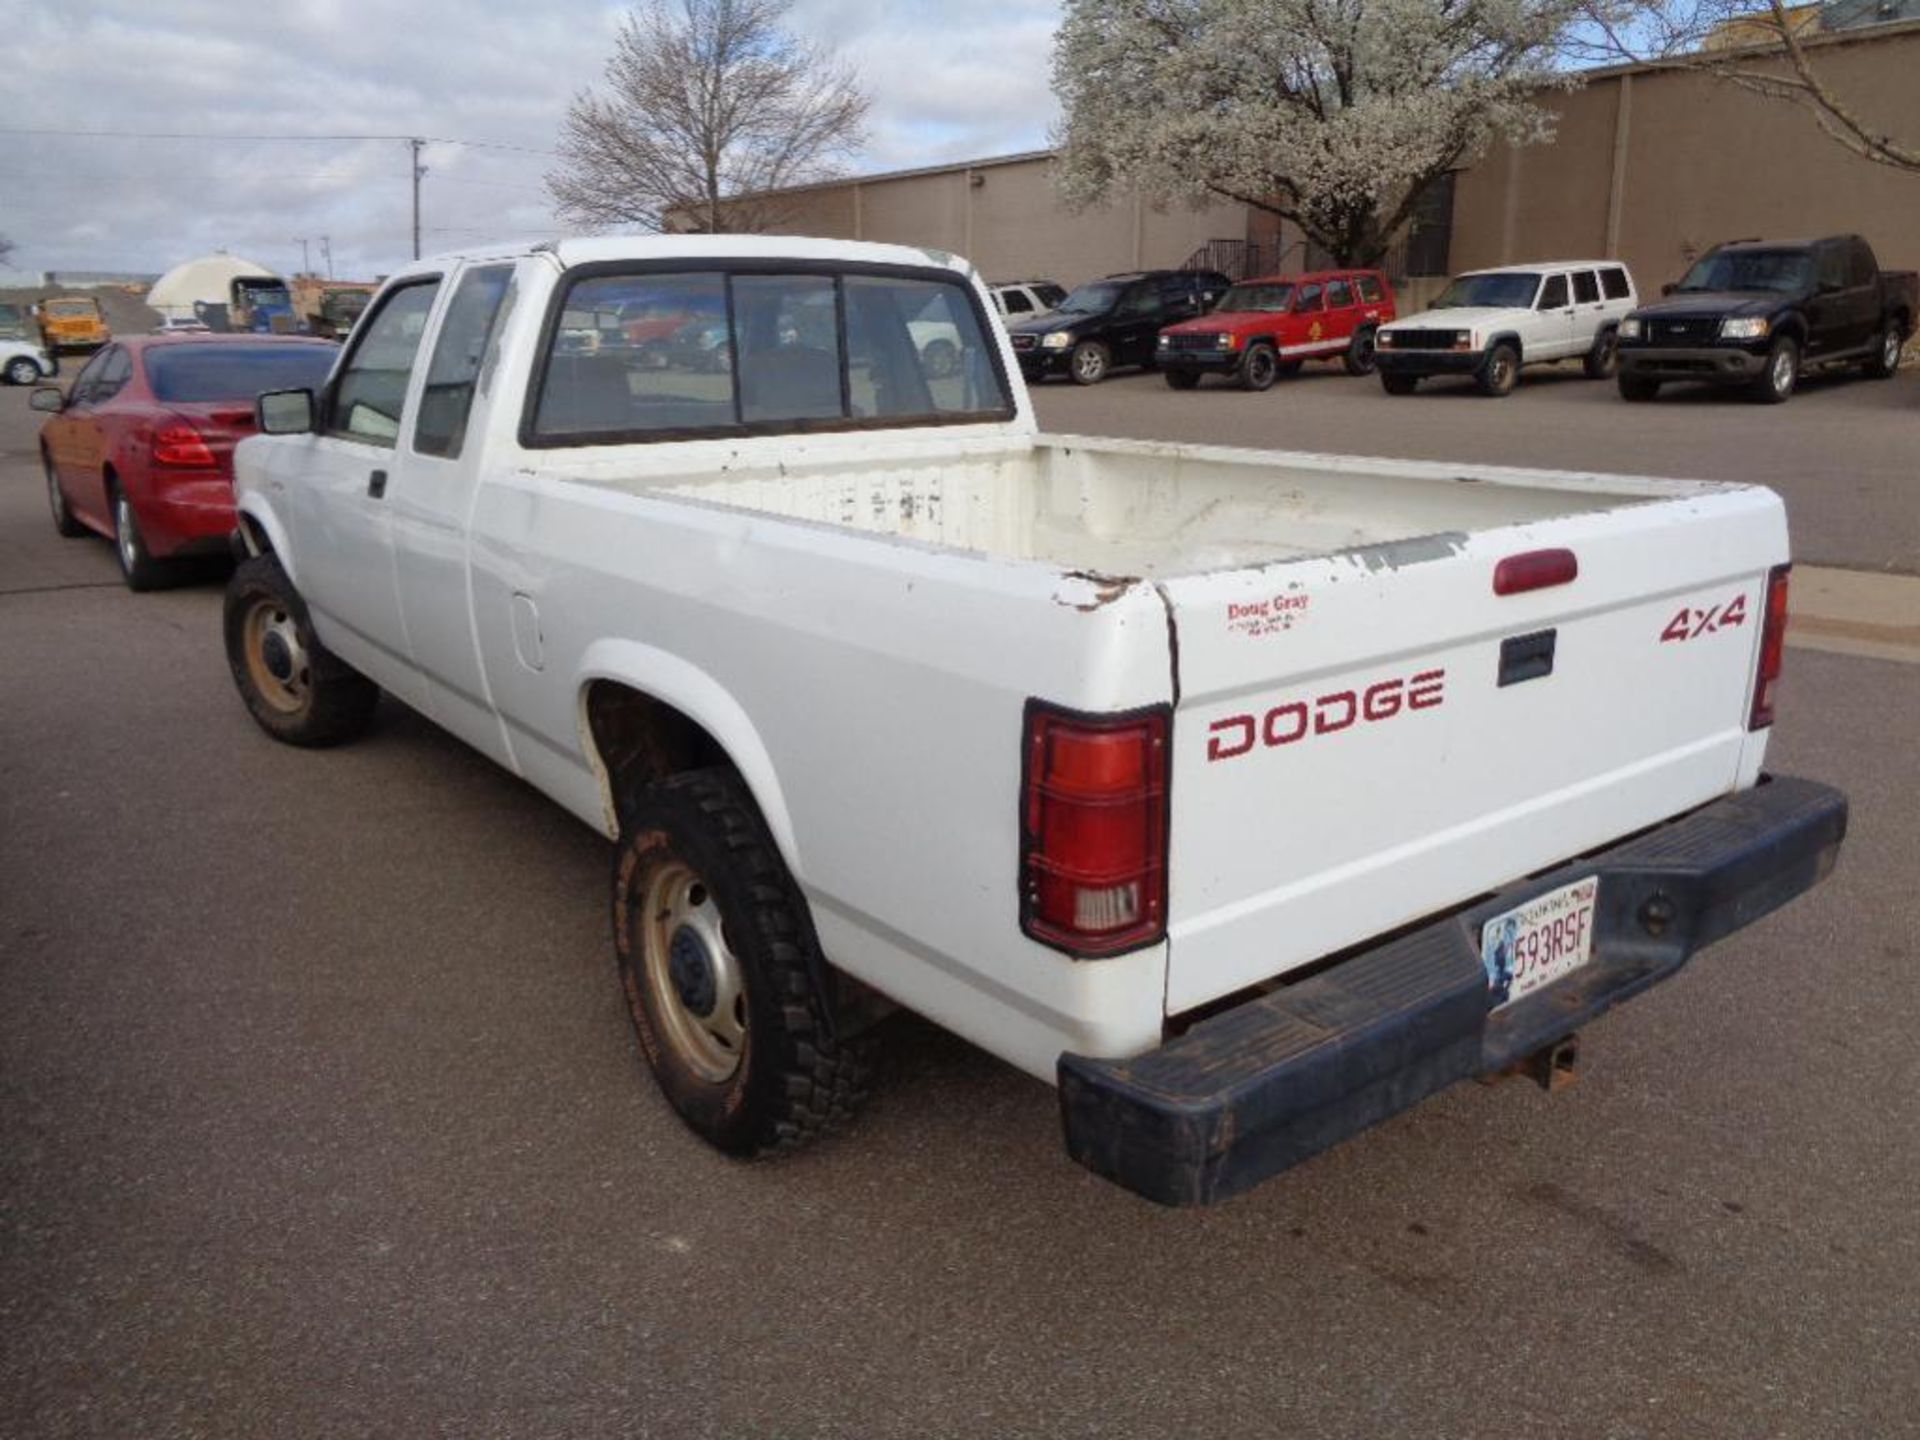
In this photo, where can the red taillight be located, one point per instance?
(1535, 570)
(1773, 646)
(178, 443)
(1093, 852)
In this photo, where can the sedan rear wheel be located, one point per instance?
(140, 570)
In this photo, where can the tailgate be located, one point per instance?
(1347, 760)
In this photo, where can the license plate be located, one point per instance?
(1534, 944)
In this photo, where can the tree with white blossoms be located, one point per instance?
(1336, 115)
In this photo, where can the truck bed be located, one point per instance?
(1150, 510)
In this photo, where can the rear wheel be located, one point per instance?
(63, 519)
(1090, 362)
(1604, 358)
(295, 688)
(1638, 387)
(1258, 367)
(1886, 353)
(1359, 359)
(1181, 379)
(722, 970)
(1499, 372)
(137, 567)
(1398, 384)
(1775, 383)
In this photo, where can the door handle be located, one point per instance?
(377, 484)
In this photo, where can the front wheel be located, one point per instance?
(1499, 372)
(1181, 379)
(1398, 384)
(1776, 382)
(1359, 359)
(1090, 362)
(1258, 368)
(296, 689)
(22, 371)
(63, 517)
(1886, 353)
(722, 970)
(1638, 388)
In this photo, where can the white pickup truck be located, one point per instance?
(1251, 797)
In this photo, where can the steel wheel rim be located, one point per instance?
(271, 642)
(694, 978)
(1783, 370)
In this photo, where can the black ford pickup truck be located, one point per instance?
(1759, 313)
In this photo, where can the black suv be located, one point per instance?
(1115, 321)
(1756, 313)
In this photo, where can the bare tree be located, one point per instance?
(1335, 116)
(1760, 47)
(708, 106)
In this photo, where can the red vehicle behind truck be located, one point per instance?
(1269, 327)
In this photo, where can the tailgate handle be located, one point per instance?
(1526, 657)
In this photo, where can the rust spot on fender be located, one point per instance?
(1106, 589)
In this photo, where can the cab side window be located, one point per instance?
(472, 321)
(1833, 268)
(1140, 300)
(1861, 269)
(371, 389)
(1309, 300)
(1553, 295)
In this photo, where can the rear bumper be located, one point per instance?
(1724, 363)
(187, 516)
(1248, 1093)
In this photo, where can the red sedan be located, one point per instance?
(140, 448)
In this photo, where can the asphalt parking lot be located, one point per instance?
(320, 1113)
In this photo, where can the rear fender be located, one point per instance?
(702, 699)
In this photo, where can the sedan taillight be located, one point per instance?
(178, 443)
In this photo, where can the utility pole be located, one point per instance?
(326, 254)
(419, 170)
(306, 263)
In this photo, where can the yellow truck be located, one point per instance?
(72, 322)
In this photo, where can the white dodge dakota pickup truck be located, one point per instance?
(1250, 797)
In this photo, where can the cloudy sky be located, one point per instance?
(948, 82)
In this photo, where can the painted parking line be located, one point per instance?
(1855, 612)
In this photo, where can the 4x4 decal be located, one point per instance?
(1691, 624)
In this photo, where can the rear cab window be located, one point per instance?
(735, 350)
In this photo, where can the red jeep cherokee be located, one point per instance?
(1265, 328)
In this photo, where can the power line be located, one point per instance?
(214, 135)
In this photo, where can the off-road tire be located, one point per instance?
(333, 705)
(22, 371)
(1089, 362)
(1637, 388)
(1884, 363)
(1181, 379)
(793, 1080)
(1776, 382)
(1499, 372)
(1259, 367)
(1398, 384)
(1603, 359)
(1359, 359)
(64, 519)
(137, 565)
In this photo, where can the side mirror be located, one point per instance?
(285, 412)
(47, 398)
(1668, 288)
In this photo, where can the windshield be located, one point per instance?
(189, 374)
(1506, 290)
(1787, 271)
(266, 294)
(1268, 298)
(1094, 299)
(71, 309)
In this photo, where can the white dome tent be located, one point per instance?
(204, 280)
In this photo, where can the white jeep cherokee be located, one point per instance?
(1489, 323)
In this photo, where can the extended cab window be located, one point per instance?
(372, 389)
(1553, 294)
(714, 352)
(470, 323)
(1586, 289)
